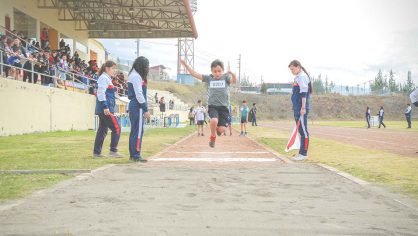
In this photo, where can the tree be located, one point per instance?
(263, 88)
(393, 87)
(318, 85)
(409, 84)
(378, 83)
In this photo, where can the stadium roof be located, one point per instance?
(128, 18)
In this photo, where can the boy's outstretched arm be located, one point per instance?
(191, 71)
(233, 77)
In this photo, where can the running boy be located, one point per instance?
(218, 96)
(244, 118)
(199, 112)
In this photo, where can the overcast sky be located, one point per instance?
(347, 40)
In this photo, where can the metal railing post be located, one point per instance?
(1, 63)
(33, 72)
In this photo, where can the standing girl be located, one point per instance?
(368, 112)
(138, 106)
(302, 88)
(105, 108)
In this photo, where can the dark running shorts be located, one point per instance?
(243, 120)
(219, 112)
(200, 122)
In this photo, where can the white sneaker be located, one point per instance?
(299, 157)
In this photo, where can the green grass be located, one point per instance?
(391, 125)
(66, 150)
(398, 172)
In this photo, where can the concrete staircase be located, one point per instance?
(180, 108)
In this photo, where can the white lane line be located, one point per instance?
(214, 159)
(217, 153)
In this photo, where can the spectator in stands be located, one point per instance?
(62, 44)
(27, 75)
(63, 68)
(44, 38)
(14, 60)
(156, 98)
(9, 52)
(3, 44)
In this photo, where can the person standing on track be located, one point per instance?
(105, 108)
(253, 114)
(244, 118)
(381, 116)
(368, 115)
(199, 113)
(408, 111)
(302, 89)
(138, 106)
(218, 96)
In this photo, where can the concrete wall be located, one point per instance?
(27, 108)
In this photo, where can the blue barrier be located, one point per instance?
(172, 121)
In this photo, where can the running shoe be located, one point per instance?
(212, 141)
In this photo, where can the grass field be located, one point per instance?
(391, 125)
(65, 150)
(397, 172)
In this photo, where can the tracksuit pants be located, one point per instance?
(381, 122)
(303, 132)
(408, 119)
(368, 121)
(105, 123)
(137, 132)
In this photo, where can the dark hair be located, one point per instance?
(105, 65)
(296, 63)
(367, 109)
(141, 66)
(244, 101)
(199, 101)
(408, 104)
(254, 104)
(216, 63)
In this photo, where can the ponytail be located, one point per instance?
(310, 81)
(296, 63)
(105, 65)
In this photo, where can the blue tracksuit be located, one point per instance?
(301, 89)
(105, 99)
(137, 94)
